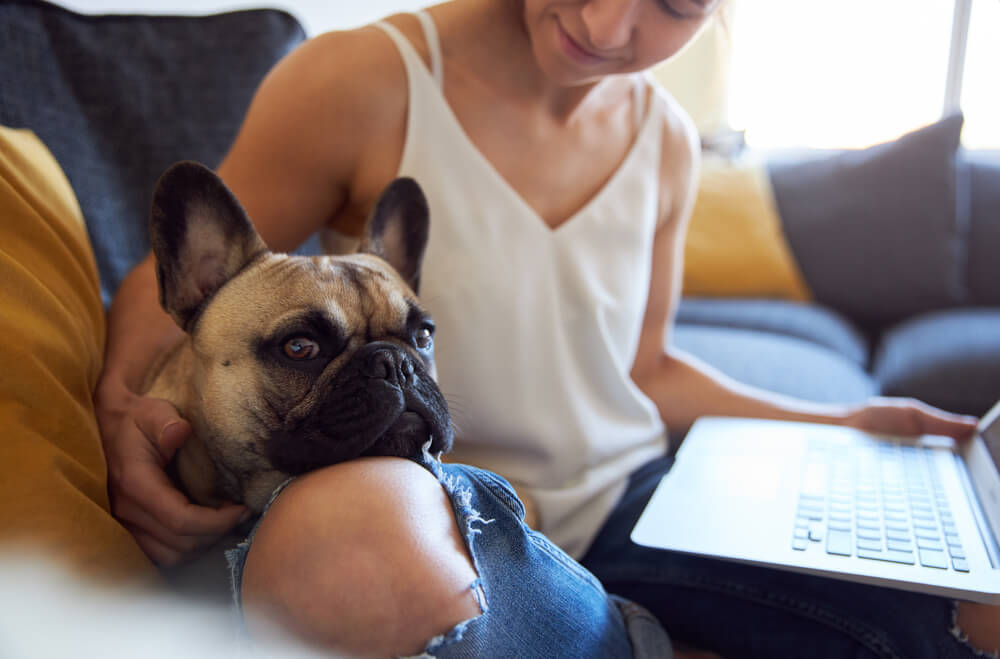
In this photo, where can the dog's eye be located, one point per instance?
(424, 338)
(301, 348)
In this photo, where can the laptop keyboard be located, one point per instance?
(877, 501)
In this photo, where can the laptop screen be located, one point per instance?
(989, 429)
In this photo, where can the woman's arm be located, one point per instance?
(684, 388)
(141, 435)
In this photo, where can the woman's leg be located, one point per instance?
(382, 557)
(744, 611)
(364, 557)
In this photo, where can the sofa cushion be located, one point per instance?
(876, 231)
(734, 245)
(53, 492)
(950, 359)
(984, 226)
(119, 98)
(810, 322)
(783, 364)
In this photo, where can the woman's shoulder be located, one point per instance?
(680, 154)
(361, 64)
(680, 134)
(333, 95)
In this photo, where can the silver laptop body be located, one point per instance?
(917, 514)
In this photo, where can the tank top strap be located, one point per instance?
(409, 54)
(640, 98)
(433, 45)
(406, 50)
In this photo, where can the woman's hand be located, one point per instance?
(140, 436)
(909, 417)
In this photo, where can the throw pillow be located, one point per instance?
(735, 246)
(983, 167)
(876, 231)
(119, 98)
(53, 491)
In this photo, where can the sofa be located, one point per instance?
(894, 246)
(886, 281)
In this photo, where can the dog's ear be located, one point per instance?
(201, 237)
(398, 227)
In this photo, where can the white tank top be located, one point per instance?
(537, 329)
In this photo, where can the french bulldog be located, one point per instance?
(290, 363)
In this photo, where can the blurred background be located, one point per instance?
(777, 73)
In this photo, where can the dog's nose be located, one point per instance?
(390, 364)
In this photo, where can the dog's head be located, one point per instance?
(298, 362)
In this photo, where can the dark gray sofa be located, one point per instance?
(897, 242)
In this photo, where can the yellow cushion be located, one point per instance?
(735, 245)
(53, 485)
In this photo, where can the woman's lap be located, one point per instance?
(534, 599)
(740, 610)
(538, 601)
(535, 596)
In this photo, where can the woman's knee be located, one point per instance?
(364, 557)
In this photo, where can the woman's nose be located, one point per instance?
(610, 23)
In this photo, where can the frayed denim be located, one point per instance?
(534, 600)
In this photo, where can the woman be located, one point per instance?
(560, 184)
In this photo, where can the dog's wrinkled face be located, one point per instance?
(320, 360)
(298, 362)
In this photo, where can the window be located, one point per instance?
(857, 72)
(843, 74)
(981, 82)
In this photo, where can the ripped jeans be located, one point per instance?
(740, 610)
(535, 600)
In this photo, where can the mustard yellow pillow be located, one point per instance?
(735, 244)
(53, 486)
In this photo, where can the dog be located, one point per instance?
(290, 363)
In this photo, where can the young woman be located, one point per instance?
(560, 182)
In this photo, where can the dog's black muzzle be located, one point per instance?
(382, 402)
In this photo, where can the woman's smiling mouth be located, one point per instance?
(576, 51)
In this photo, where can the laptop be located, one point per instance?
(918, 514)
